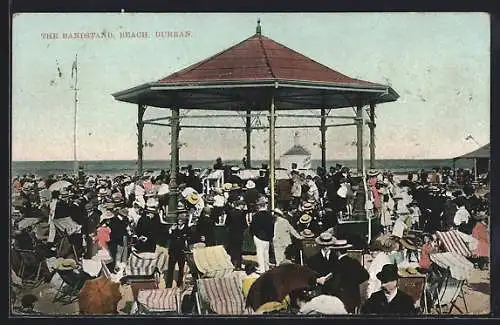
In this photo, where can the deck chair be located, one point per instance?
(29, 259)
(66, 227)
(69, 289)
(455, 269)
(414, 286)
(447, 295)
(158, 301)
(146, 264)
(358, 255)
(210, 262)
(453, 242)
(141, 282)
(308, 248)
(221, 296)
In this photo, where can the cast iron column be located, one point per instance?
(323, 139)
(174, 161)
(248, 130)
(272, 160)
(140, 145)
(372, 135)
(359, 143)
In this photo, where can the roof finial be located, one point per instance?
(258, 29)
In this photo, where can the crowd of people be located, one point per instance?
(117, 216)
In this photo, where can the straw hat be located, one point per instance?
(307, 206)
(151, 205)
(325, 239)
(340, 244)
(193, 199)
(123, 212)
(227, 187)
(102, 191)
(307, 233)
(305, 218)
(408, 243)
(250, 184)
(373, 172)
(117, 197)
(235, 168)
(66, 264)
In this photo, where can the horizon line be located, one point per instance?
(228, 159)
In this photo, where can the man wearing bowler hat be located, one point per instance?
(389, 300)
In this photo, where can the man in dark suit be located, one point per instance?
(389, 300)
(346, 277)
(236, 225)
(323, 263)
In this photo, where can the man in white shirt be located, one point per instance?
(462, 216)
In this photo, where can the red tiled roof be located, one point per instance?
(260, 58)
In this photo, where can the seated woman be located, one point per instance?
(310, 304)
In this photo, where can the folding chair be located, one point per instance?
(357, 254)
(222, 296)
(158, 301)
(29, 258)
(141, 282)
(69, 289)
(414, 286)
(211, 262)
(308, 248)
(453, 242)
(455, 270)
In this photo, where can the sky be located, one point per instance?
(439, 64)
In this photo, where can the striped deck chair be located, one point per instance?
(158, 301)
(221, 296)
(146, 264)
(455, 270)
(212, 262)
(453, 242)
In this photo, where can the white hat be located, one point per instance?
(235, 168)
(278, 212)
(151, 203)
(250, 184)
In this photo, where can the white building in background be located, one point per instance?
(296, 154)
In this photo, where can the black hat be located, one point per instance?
(389, 273)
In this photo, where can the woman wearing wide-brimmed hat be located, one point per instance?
(481, 233)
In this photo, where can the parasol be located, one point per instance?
(99, 296)
(59, 185)
(277, 283)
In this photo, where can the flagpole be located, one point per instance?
(75, 161)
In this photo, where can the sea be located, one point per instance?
(117, 167)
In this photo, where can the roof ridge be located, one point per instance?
(202, 62)
(266, 57)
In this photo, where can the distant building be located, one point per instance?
(296, 155)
